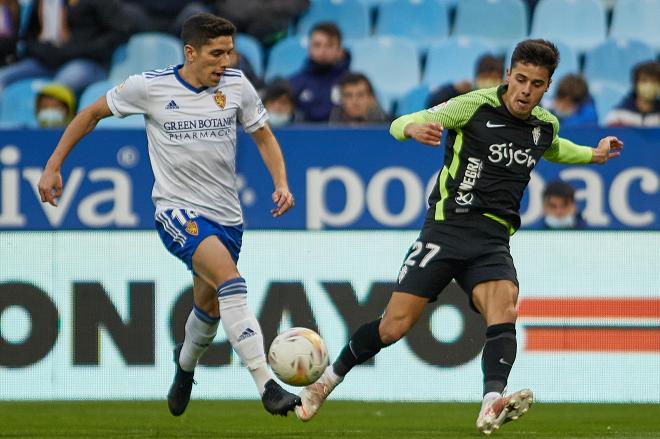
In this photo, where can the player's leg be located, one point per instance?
(201, 327)
(402, 311)
(496, 301)
(213, 263)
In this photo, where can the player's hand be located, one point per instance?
(428, 133)
(50, 186)
(284, 201)
(608, 148)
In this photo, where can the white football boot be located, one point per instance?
(315, 394)
(498, 409)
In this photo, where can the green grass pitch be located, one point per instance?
(337, 419)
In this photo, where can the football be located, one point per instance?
(298, 356)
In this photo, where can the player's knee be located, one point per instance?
(393, 329)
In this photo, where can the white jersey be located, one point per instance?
(192, 137)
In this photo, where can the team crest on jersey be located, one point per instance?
(191, 228)
(220, 99)
(536, 135)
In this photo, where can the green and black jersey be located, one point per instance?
(489, 154)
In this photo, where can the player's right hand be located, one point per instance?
(428, 133)
(50, 186)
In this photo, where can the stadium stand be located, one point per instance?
(412, 101)
(500, 22)
(147, 51)
(17, 103)
(453, 60)
(613, 61)
(249, 47)
(638, 20)
(423, 21)
(351, 16)
(285, 58)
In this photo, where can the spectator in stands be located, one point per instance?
(573, 105)
(55, 106)
(489, 72)
(326, 63)
(358, 104)
(280, 103)
(9, 25)
(559, 208)
(641, 107)
(161, 15)
(268, 21)
(73, 40)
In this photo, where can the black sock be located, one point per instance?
(363, 345)
(498, 356)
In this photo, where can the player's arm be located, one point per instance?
(50, 183)
(271, 154)
(567, 152)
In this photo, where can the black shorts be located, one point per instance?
(471, 249)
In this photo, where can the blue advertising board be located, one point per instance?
(343, 178)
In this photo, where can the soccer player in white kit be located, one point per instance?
(190, 113)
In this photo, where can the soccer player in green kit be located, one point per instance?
(495, 138)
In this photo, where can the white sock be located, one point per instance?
(489, 397)
(330, 377)
(243, 330)
(200, 331)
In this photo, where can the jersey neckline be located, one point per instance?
(186, 83)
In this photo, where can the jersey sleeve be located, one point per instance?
(251, 113)
(564, 151)
(129, 97)
(453, 114)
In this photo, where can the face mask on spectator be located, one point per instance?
(556, 222)
(648, 90)
(279, 119)
(51, 117)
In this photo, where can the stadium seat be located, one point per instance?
(147, 51)
(250, 48)
(613, 61)
(285, 58)
(423, 21)
(606, 97)
(501, 22)
(579, 23)
(351, 16)
(453, 60)
(93, 92)
(637, 20)
(392, 76)
(17, 103)
(414, 100)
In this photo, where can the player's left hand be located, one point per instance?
(283, 199)
(608, 148)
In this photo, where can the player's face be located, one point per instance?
(211, 60)
(527, 84)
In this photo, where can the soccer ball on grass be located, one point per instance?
(298, 356)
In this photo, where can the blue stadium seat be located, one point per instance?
(637, 20)
(414, 100)
(392, 76)
(501, 22)
(423, 21)
(147, 51)
(285, 58)
(579, 23)
(17, 102)
(93, 92)
(250, 48)
(606, 96)
(613, 61)
(351, 16)
(453, 60)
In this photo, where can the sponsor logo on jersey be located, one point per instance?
(171, 105)
(536, 135)
(191, 228)
(490, 124)
(464, 195)
(220, 99)
(507, 153)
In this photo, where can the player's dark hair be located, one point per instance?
(648, 68)
(573, 87)
(559, 189)
(328, 28)
(352, 78)
(536, 52)
(200, 28)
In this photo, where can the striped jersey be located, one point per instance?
(490, 154)
(191, 134)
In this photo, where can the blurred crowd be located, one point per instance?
(74, 43)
